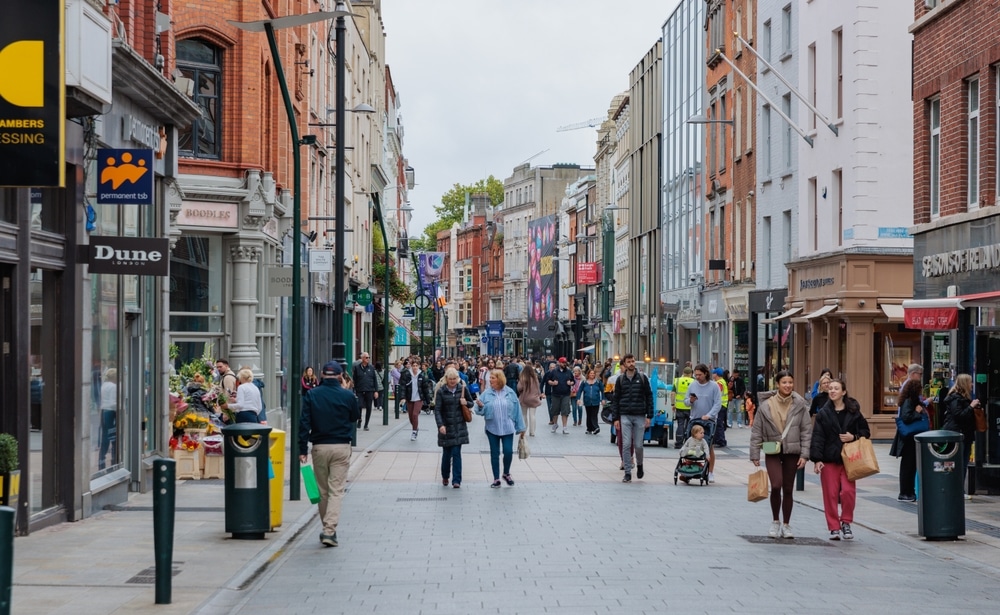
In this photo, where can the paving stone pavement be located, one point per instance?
(569, 537)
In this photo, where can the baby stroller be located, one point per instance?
(694, 467)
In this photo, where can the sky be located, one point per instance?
(484, 84)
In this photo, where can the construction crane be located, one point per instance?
(529, 159)
(595, 121)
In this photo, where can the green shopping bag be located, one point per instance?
(312, 489)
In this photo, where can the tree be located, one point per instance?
(451, 210)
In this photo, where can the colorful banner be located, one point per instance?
(588, 273)
(931, 319)
(430, 266)
(32, 94)
(543, 288)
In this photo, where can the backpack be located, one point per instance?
(257, 382)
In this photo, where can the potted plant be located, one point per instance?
(9, 473)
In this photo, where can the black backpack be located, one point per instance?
(263, 405)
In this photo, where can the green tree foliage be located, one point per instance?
(451, 208)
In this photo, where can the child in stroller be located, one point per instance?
(693, 462)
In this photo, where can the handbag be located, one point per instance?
(859, 459)
(312, 488)
(980, 413)
(523, 452)
(758, 487)
(922, 424)
(466, 409)
(773, 447)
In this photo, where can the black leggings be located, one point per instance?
(781, 472)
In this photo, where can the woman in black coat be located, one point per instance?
(960, 415)
(910, 409)
(450, 397)
(839, 421)
(415, 396)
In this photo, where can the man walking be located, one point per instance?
(632, 409)
(682, 411)
(365, 385)
(558, 389)
(705, 399)
(512, 372)
(722, 421)
(328, 415)
(737, 388)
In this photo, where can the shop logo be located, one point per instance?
(129, 255)
(22, 65)
(125, 176)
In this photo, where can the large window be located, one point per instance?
(935, 156)
(972, 156)
(786, 31)
(202, 63)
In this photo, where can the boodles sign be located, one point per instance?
(130, 255)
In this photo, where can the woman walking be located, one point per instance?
(782, 418)
(905, 447)
(960, 416)
(413, 383)
(309, 380)
(499, 406)
(453, 432)
(839, 421)
(574, 393)
(529, 394)
(589, 395)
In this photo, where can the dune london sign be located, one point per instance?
(129, 255)
(32, 94)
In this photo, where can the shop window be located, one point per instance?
(202, 64)
(196, 266)
(8, 205)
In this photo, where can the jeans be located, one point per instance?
(365, 398)
(577, 412)
(451, 463)
(529, 419)
(508, 452)
(681, 418)
(721, 422)
(633, 432)
(108, 438)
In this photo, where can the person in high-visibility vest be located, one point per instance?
(721, 421)
(682, 411)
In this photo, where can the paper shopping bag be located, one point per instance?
(859, 459)
(758, 486)
(309, 479)
(523, 452)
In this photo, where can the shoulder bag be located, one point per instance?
(922, 424)
(466, 409)
(773, 447)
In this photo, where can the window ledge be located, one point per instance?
(785, 55)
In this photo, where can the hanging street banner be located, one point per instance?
(124, 177)
(129, 255)
(32, 94)
(280, 281)
(543, 296)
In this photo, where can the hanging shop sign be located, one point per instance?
(129, 255)
(363, 297)
(931, 319)
(588, 273)
(280, 281)
(320, 261)
(32, 94)
(124, 177)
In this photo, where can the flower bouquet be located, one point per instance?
(191, 420)
(215, 399)
(185, 443)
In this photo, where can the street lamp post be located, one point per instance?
(268, 26)
(385, 316)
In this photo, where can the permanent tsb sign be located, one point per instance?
(32, 93)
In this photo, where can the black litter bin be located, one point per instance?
(941, 505)
(248, 507)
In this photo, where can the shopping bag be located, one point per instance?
(523, 452)
(859, 459)
(312, 488)
(758, 486)
(922, 424)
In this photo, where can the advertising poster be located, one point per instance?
(32, 94)
(543, 290)
(429, 268)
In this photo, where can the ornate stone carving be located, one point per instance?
(244, 253)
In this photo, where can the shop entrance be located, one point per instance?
(987, 382)
(8, 408)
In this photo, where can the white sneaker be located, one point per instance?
(555, 428)
(775, 530)
(711, 477)
(786, 531)
(413, 436)
(565, 431)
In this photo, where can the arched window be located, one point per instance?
(202, 63)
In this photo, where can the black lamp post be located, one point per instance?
(268, 26)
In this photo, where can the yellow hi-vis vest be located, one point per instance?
(725, 391)
(680, 392)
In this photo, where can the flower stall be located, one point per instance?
(197, 415)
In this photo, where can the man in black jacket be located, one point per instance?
(512, 372)
(365, 385)
(558, 385)
(632, 407)
(328, 415)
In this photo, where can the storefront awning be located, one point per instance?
(989, 298)
(823, 311)
(932, 314)
(892, 311)
(587, 349)
(783, 315)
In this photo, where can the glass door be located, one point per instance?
(987, 384)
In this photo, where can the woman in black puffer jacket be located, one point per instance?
(453, 432)
(960, 416)
(839, 421)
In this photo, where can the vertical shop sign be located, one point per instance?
(124, 177)
(32, 94)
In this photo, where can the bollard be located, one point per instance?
(800, 479)
(7, 516)
(164, 498)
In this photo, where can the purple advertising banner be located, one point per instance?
(543, 290)
(429, 268)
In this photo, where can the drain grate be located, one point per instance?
(147, 576)
(801, 542)
(421, 499)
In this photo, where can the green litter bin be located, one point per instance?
(941, 506)
(248, 505)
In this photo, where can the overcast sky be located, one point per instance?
(485, 83)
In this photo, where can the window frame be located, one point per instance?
(934, 156)
(973, 164)
(193, 70)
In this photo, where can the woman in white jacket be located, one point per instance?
(248, 403)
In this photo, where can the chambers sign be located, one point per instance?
(32, 93)
(129, 255)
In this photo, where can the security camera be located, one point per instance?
(693, 278)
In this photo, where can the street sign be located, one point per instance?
(320, 261)
(423, 302)
(363, 297)
(279, 281)
(483, 340)
(409, 312)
